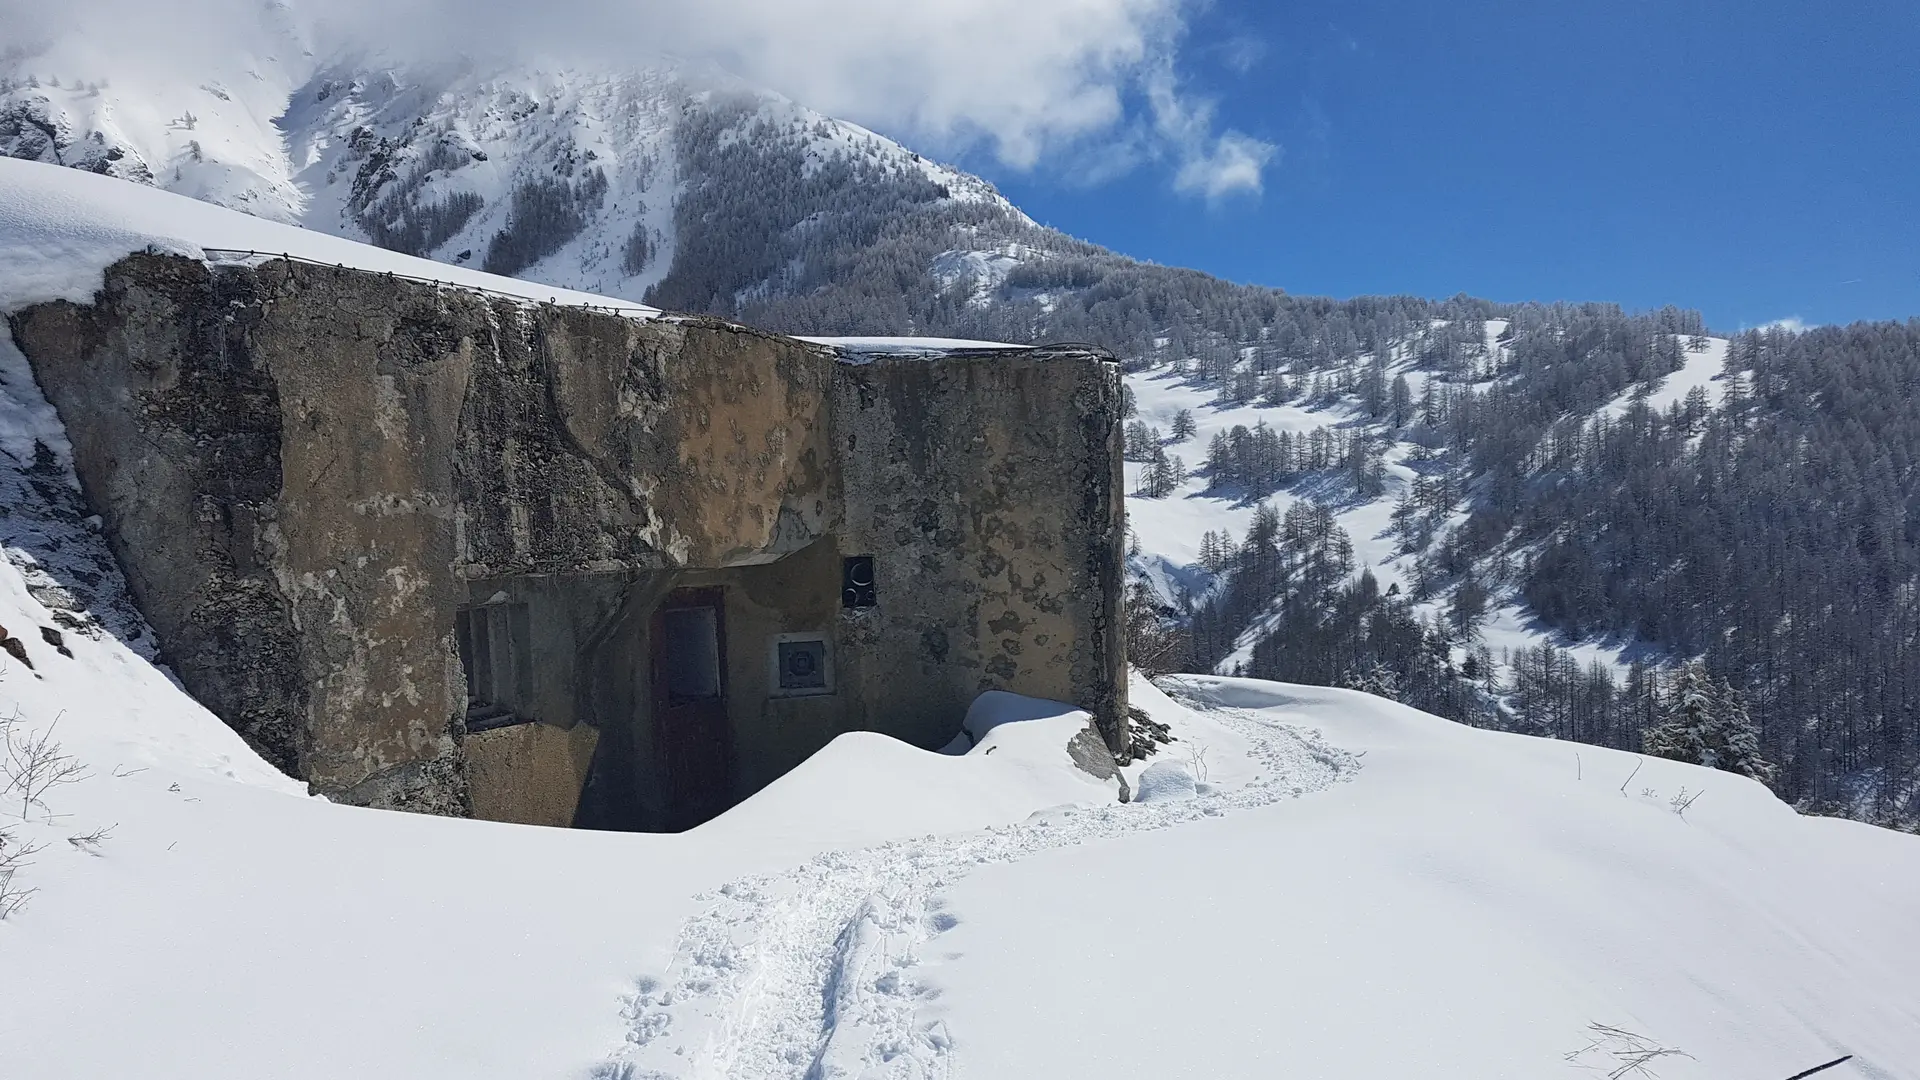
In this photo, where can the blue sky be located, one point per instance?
(1756, 161)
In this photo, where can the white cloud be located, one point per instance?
(1212, 164)
(1792, 324)
(1233, 165)
(1026, 80)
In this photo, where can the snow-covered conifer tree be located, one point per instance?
(1706, 723)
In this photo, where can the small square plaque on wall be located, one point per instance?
(801, 665)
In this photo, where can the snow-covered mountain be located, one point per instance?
(202, 125)
(566, 177)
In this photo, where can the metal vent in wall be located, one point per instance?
(800, 665)
(857, 588)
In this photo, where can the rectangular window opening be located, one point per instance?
(493, 642)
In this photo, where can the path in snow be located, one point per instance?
(810, 972)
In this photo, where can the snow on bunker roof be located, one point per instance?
(61, 228)
(862, 349)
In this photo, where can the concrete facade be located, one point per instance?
(436, 551)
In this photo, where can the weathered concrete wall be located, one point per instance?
(989, 490)
(307, 472)
(370, 381)
(592, 442)
(176, 430)
(531, 774)
(300, 466)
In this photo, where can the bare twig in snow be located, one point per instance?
(15, 852)
(1820, 1068)
(14, 856)
(1197, 762)
(1637, 762)
(90, 842)
(12, 897)
(1620, 1052)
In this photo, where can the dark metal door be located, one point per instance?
(691, 736)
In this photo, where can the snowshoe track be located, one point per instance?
(810, 973)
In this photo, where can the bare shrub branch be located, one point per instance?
(34, 764)
(90, 842)
(1683, 802)
(1197, 761)
(15, 855)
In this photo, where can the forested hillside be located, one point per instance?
(1761, 523)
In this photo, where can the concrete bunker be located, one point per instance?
(434, 550)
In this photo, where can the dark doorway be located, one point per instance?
(693, 746)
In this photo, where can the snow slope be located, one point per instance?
(1169, 529)
(1465, 908)
(1702, 369)
(61, 228)
(840, 786)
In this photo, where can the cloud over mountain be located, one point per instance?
(1026, 80)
